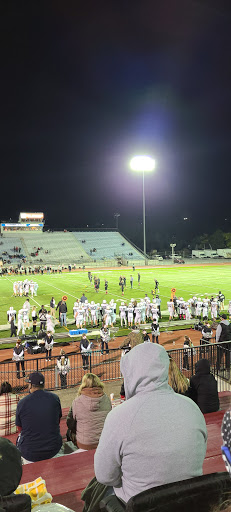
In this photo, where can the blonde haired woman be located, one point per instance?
(89, 411)
(178, 382)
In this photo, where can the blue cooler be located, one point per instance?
(76, 332)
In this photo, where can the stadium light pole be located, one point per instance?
(143, 164)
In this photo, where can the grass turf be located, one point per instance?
(188, 281)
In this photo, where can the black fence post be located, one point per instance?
(90, 362)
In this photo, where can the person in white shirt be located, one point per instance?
(32, 288)
(93, 313)
(122, 310)
(170, 306)
(198, 307)
(130, 310)
(137, 311)
(108, 320)
(15, 288)
(205, 309)
(20, 322)
(214, 309)
(79, 317)
(113, 315)
(50, 323)
(86, 312)
(11, 314)
(187, 311)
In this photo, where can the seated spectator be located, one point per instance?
(8, 406)
(147, 441)
(178, 382)
(10, 476)
(203, 388)
(89, 410)
(37, 418)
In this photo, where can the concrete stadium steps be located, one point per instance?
(108, 245)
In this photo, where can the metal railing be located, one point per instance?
(107, 366)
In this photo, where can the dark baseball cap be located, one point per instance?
(224, 316)
(36, 378)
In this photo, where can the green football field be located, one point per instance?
(188, 281)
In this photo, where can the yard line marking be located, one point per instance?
(63, 291)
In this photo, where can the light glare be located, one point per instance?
(142, 163)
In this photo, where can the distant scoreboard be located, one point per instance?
(31, 217)
(27, 222)
(9, 226)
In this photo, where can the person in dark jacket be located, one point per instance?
(203, 388)
(223, 334)
(63, 313)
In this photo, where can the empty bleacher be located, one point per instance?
(108, 245)
(59, 247)
(62, 247)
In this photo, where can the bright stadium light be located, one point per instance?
(143, 163)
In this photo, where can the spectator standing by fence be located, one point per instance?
(63, 367)
(18, 357)
(203, 388)
(85, 347)
(49, 342)
(223, 333)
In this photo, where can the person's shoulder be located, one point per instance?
(51, 395)
(23, 401)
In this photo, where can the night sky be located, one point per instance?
(87, 85)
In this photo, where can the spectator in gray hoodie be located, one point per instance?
(156, 436)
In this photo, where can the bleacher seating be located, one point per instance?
(7, 245)
(62, 247)
(71, 247)
(67, 476)
(201, 493)
(108, 245)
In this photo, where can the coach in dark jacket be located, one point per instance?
(203, 388)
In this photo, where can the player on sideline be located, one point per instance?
(123, 310)
(106, 286)
(170, 305)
